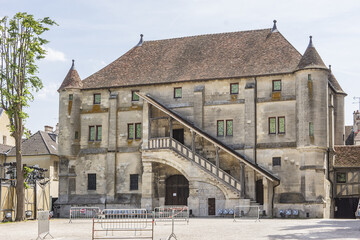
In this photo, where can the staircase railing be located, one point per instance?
(170, 143)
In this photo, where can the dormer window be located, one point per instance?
(276, 85)
(178, 92)
(97, 98)
(234, 88)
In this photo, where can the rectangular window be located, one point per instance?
(311, 129)
(134, 96)
(130, 131)
(137, 130)
(229, 127)
(70, 97)
(97, 98)
(91, 181)
(234, 88)
(76, 135)
(276, 85)
(341, 177)
(56, 170)
(220, 128)
(272, 125)
(178, 92)
(309, 76)
(98, 133)
(276, 161)
(134, 181)
(92, 133)
(281, 125)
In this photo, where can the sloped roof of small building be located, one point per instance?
(335, 84)
(203, 57)
(40, 143)
(347, 156)
(4, 148)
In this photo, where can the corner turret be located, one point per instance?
(72, 79)
(311, 58)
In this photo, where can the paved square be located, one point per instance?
(203, 229)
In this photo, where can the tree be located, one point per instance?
(20, 47)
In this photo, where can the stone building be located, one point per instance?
(209, 121)
(5, 135)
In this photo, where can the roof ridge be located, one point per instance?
(47, 147)
(208, 34)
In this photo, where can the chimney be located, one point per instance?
(48, 129)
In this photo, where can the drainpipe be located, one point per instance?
(255, 122)
(328, 176)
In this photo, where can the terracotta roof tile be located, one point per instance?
(347, 156)
(202, 57)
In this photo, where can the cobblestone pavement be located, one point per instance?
(203, 228)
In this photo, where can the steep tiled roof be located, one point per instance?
(334, 83)
(311, 58)
(40, 143)
(4, 148)
(212, 56)
(72, 79)
(347, 156)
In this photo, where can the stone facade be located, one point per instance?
(147, 138)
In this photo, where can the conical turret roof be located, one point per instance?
(72, 79)
(311, 58)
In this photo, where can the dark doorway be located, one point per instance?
(178, 134)
(259, 192)
(177, 190)
(346, 207)
(211, 206)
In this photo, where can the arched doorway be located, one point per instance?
(177, 190)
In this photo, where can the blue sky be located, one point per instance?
(95, 33)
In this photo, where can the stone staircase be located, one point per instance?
(207, 166)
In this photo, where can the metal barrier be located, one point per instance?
(247, 211)
(169, 213)
(83, 212)
(123, 224)
(43, 224)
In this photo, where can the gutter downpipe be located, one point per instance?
(328, 178)
(272, 199)
(255, 122)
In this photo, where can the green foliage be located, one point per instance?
(27, 172)
(21, 45)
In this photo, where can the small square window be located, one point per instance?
(220, 128)
(272, 125)
(91, 181)
(97, 98)
(92, 133)
(276, 85)
(70, 97)
(137, 130)
(276, 161)
(281, 125)
(229, 127)
(134, 181)
(130, 131)
(341, 177)
(134, 96)
(234, 88)
(178, 92)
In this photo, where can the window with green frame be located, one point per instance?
(98, 133)
(134, 96)
(97, 98)
(229, 127)
(220, 128)
(134, 131)
(178, 92)
(137, 130)
(234, 88)
(341, 177)
(281, 125)
(272, 125)
(130, 131)
(276, 85)
(311, 129)
(92, 133)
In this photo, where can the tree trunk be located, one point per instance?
(20, 189)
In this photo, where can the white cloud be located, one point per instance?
(54, 55)
(47, 92)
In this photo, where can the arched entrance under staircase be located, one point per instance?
(177, 190)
